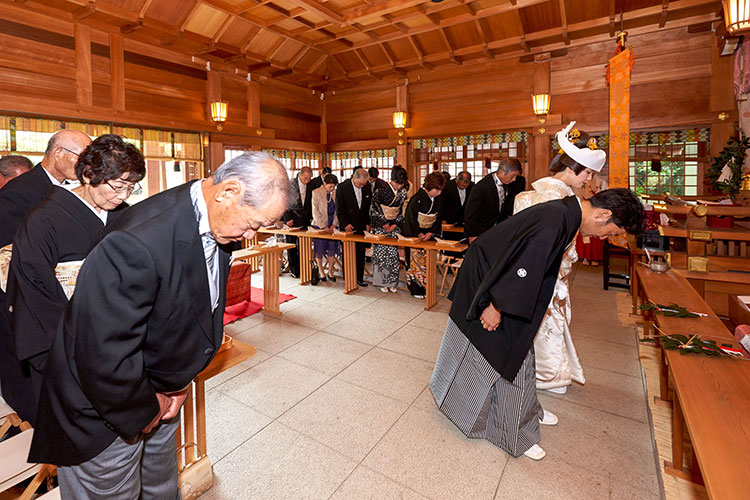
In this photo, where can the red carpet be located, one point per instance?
(250, 307)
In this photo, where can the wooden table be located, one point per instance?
(271, 270)
(716, 287)
(350, 271)
(711, 394)
(451, 228)
(193, 428)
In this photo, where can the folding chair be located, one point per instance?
(14, 468)
(448, 266)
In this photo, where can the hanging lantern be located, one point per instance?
(540, 102)
(399, 119)
(219, 111)
(736, 15)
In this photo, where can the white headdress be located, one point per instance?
(589, 158)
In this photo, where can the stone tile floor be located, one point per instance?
(336, 405)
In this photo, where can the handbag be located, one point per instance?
(314, 274)
(197, 477)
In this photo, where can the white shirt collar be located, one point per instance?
(201, 209)
(55, 182)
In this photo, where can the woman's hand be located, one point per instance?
(490, 318)
(426, 236)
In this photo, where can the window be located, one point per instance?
(468, 153)
(293, 161)
(172, 158)
(666, 167)
(343, 163)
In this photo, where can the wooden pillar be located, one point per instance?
(323, 123)
(253, 104)
(539, 144)
(84, 86)
(215, 157)
(403, 156)
(117, 71)
(722, 100)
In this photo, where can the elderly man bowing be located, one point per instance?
(145, 319)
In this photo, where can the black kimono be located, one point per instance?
(416, 259)
(485, 381)
(60, 229)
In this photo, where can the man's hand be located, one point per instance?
(290, 223)
(164, 405)
(169, 407)
(490, 318)
(349, 228)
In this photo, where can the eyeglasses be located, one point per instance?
(120, 189)
(71, 152)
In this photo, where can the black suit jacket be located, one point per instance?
(299, 213)
(18, 197)
(347, 210)
(140, 322)
(453, 211)
(314, 183)
(482, 209)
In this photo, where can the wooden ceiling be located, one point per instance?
(340, 43)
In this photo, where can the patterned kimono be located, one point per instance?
(557, 363)
(385, 259)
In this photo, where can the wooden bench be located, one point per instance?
(271, 270)
(711, 398)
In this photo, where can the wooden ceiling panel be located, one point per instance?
(502, 26)
(263, 13)
(583, 10)
(348, 61)
(627, 5)
(375, 55)
(171, 12)
(131, 5)
(540, 17)
(417, 23)
(308, 60)
(237, 33)
(206, 20)
(287, 52)
(385, 30)
(431, 42)
(289, 24)
(401, 49)
(449, 13)
(265, 42)
(463, 35)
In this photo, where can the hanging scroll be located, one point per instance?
(620, 67)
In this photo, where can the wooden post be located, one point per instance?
(539, 146)
(117, 71)
(216, 157)
(323, 124)
(84, 86)
(722, 99)
(253, 105)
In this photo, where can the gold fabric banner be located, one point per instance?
(619, 70)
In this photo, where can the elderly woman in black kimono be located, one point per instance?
(423, 221)
(54, 239)
(386, 215)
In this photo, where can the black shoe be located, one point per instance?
(361, 283)
(294, 275)
(323, 279)
(332, 279)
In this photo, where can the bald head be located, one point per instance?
(62, 153)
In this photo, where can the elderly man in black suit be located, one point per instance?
(145, 319)
(455, 195)
(11, 166)
(17, 198)
(491, 199)
(353, 198)
(299, 213)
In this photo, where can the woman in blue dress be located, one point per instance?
(324, 217)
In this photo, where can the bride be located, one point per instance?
(557, 363)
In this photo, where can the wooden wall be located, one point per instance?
(45, 72)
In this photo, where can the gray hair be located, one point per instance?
(463, 176)
(11, 164)
(262, 177)
(509, 165)
(361, 173)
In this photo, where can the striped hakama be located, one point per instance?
(479, 401)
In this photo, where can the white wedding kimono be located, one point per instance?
(557, 363)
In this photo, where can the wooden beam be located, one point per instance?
(132, 27)
(276, 48)
(564, 19)
(253, 104)
(282, 72)
(323, 58)
(84, 81)
(259, 66)
(117, 70)
(193, 8)
(317, 7)
(222, 29)
(144, 8)
(298, 57)
(612, 14)
(82, 13)
(664, 11)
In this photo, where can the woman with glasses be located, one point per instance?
(54, 239)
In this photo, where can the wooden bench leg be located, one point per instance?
(676, 467)
(431, 285)
(350, 267)
(305, 259)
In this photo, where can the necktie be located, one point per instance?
(209, 251)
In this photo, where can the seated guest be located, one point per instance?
(324, 217)
(454, 196)
(12, 166)
(62, 229)
(423, 221)
(386, 215)
(353, 198)
(298, 214)
(318, 181)
(491, 200)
